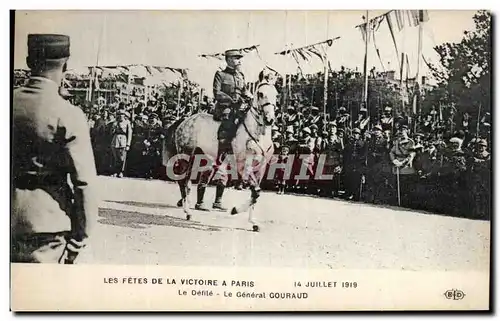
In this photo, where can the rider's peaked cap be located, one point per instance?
(233, 53)
(48, 46)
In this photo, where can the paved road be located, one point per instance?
(139, 223)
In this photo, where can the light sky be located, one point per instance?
(176, 38)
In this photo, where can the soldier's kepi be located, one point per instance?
(231, 99)
(50, 221)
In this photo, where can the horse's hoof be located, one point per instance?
(234, 211)
(255, 228)
(188, 217)
(179, 203)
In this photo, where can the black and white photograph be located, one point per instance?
(320, 140)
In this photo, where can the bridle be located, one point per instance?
(257, 114)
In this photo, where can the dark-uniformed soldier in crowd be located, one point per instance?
(334, 160)
(291, 116)
(51, 221)
(402, 155)
(377, 173)
(479, 165)
(305, 148)
(283, 158)
(153, 146)
(354, 164)
(363, 120)
(343, 119)
(387, 120)
(315, 118)
(452, 177)
(136, 163)
(291, 140)
(232, 98)
(120, 144)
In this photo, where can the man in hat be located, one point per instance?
(343, 119)
(307, 148)
(402, 155)
(50, 220)
(276, 138)
(363, 120)
(283, 158)
(419, 150)
(231, 98)
(291, 140)
(315, 118)
(387, 120)
(120, 143)
(480, 180)
(291, 115)
(355, 164)
(378, 156)
(334, 152)
(452, 177)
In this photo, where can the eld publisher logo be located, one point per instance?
(454, 294)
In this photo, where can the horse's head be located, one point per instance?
(269, 115)
(267, 98)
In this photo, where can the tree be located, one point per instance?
(465, 77)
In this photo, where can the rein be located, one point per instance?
(253, 112)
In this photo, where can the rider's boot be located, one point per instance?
(200, 206)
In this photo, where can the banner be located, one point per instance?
(307, 52)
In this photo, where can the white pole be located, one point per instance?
(417, 77)
(367, 35)
(325, 70)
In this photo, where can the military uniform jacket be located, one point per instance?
(480, 163)
(228, 84)
(378, 150)
(122, 131)
(291, 118)
(403, 149)
(51, 140)
(356, 152)
(387, 123)
(334, 151)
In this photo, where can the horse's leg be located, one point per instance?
(187, 204)
(250, 207)
(182, 188)
(254, 196)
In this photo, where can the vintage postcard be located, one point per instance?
(251, 160)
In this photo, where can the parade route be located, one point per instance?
(139, 223)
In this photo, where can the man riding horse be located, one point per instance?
(232, 98)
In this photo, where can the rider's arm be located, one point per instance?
(219, 95)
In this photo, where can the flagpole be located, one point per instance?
(94, 78)
(365, 93)
(283, 107)
(325, 68)
(418, 82)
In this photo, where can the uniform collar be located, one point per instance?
(230, 70)
(42, 82)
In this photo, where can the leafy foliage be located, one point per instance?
(464, 80)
